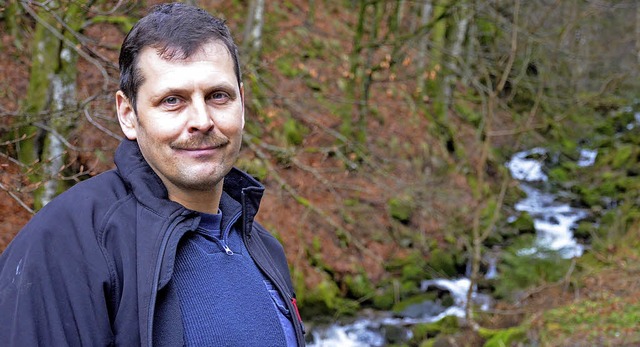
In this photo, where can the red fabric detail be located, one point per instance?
(295, 304)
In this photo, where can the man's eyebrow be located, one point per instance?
(226, 86)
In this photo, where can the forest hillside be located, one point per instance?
(383, 131)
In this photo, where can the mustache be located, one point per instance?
(201, 141)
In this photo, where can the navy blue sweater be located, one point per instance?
(223, 298)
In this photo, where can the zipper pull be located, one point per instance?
(226, 248)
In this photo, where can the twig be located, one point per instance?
(17, 162)
(100, 127)
(16, 198)
(567, 276)
(59, 136)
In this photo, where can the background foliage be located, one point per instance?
(380, 128)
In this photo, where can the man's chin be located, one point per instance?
(202, 181)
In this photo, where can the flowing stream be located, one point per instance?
(373, 329)
(553, 221)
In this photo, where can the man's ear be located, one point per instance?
(126, 116)
(242, 99)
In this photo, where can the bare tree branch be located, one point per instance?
(17, 199)
(68, 43)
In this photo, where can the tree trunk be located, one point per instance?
(253, 30)
(423, 46)
(11, 16)
(453, 67)
(311, 14)
(50, 95)
(356, 74)
(638, 33)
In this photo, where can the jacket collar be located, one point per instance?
(151, 192)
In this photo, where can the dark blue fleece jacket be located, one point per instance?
(89, 269)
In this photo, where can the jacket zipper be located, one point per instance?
(227, 230)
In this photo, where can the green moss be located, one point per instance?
(414, 300)
(294, 132)
(623, 155)
(385, 298)
(359, 286)
(467, 113)
(585, 230)
(255, 167)
(568, 145)
(504, 337)
(606, 317)
(287, 66)
(326, 300)
(520, 271)
(524, 223)
(488, 31)
(125, 22)
(413, 272)
(588, 196)
(447, 325)
(401, 208)
(559, 174)
(442, 264)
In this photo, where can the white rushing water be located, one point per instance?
(370, 331)
(587, 157)
(524, 167)
(553, 220)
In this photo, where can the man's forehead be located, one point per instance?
(160, 72)
(177, 53)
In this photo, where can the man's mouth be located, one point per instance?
(201, 145)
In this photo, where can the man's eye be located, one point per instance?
(172, 101)
(219, 97)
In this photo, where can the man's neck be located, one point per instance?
(207, 201)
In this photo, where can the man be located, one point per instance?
(163, 250)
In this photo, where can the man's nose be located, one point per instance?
(200, 117)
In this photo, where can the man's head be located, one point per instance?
(185, 106)
(176, 31)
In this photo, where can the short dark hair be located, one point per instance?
(176, 31)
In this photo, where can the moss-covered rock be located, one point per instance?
(409, 268)
(326, 300)
(524, 224)
(587, 196)
(359, 286)
(401, 208)
(519, 270)
(504, 337)
(403, 307)
(585, 230)
(447, 325)
(559, 174)
(385, 298)
(443, 263)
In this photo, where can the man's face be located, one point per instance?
(190, 119)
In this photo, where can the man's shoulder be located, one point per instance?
(82, 206)
(269, 240)
(101, 186)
